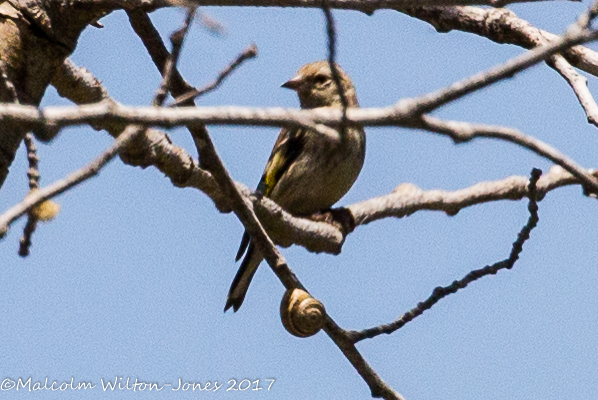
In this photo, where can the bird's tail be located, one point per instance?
(238, 288)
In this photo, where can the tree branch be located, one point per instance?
(131, 132)
(501, 26)
(366, 6)
(80, 86)
(407, 198)
(463, 132)
(579, 84)
(441, 292)
(36, 197)
(113, 113)
(247, 54)
(243, 208)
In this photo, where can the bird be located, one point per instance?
(307, 171)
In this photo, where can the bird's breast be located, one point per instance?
(321, 175)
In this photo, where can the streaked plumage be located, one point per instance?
(307, 171)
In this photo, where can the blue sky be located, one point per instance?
(130, 280)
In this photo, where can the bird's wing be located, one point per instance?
(288, 146)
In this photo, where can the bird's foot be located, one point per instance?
(341, 218)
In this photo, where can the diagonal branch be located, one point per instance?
(176, 39)
(36, 197)
(243, 208)
(577, 33)
(464, 132)
(501, 26)
(441, 292)
(579, 84)
(93, 168)
(247, 54)
(112, 113)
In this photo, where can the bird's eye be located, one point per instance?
(320, 79)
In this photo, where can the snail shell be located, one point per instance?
(301, 314)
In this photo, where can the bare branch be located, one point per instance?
(404, 110)
(152, 41)
(367, 6)
(579, 84)
(78, 84)
(247, 54)
(336, 77)
(441, 292)
(501, 26)
(38, 196)
(33, 176)
(176, 39)
(578, 32)
(464, 132)
(108, 112)
(407, 198)
(62, 185)
(285, 229)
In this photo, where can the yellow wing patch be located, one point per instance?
(271, 174)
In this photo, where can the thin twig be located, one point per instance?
(463, 132)
(33, 176)
(441, 292)
(32, 171)
(122, 141)
(176, 39)
(579, 84)
(109, 112)
(336, 76)
(247, 54)
(62, 185)
(390, 116)
(286, 229)
(243, 208)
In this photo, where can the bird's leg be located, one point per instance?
(340, 217)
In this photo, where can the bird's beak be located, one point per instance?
(293, 84)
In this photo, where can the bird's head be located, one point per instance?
(316, 88)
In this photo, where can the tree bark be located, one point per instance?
(36, 36)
